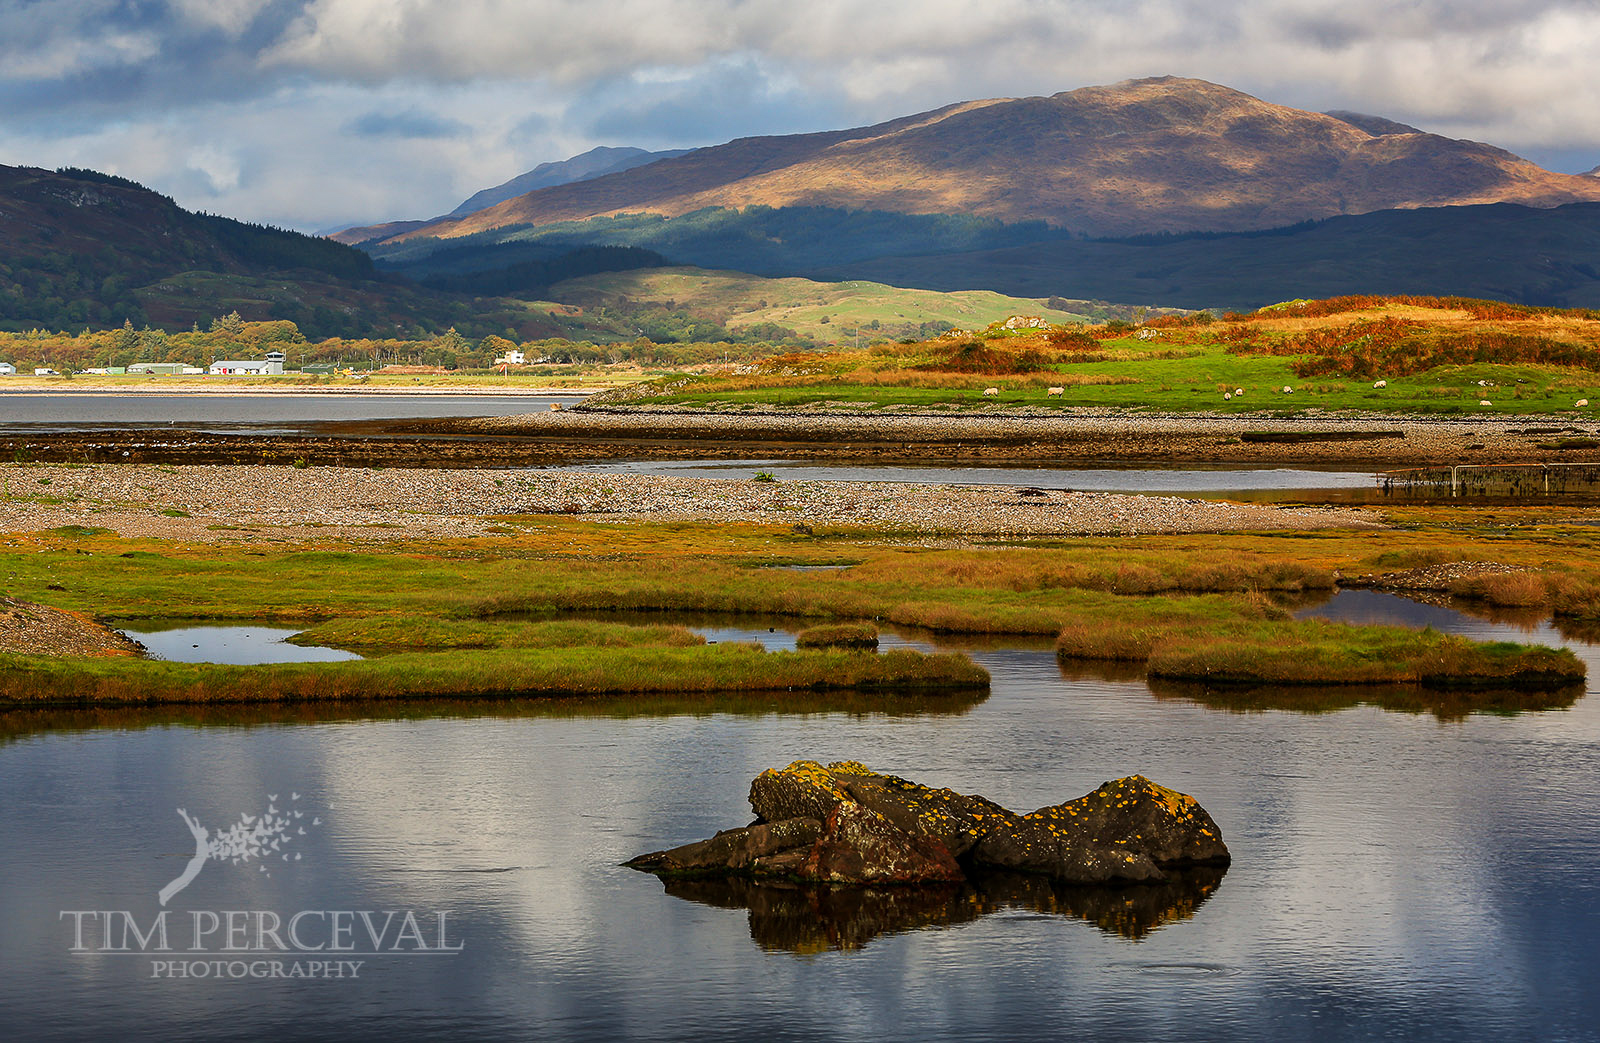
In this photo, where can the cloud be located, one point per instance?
(394, 108)
(409, 124)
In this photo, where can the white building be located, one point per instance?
(270, 366)
(511, 358)
(7, 369)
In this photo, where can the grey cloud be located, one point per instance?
(715, 103)
(411, 123)
(509, 83)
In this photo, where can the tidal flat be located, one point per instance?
(470, 584)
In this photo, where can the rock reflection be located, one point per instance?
(1445, 704)
(801, 918)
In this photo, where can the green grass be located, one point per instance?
(829, 312)
(383, 634)
(506, 673)
(465, 612)
(1191, 384)
(838, 635)
(1314, 652)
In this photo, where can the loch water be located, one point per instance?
(1410, 875)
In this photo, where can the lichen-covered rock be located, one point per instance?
(735, 850)
(847, 824)
(1128, 829)
(808, 788)
(860, 846)
(805, 789)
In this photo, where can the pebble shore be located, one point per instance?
(245, 504)
(1065, 435)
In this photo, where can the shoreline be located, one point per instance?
(244, 504)
(157, 386)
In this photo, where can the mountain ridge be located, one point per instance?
(1164, 154)
(597, 162)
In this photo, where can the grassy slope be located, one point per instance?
(1190, 368)
(825, 311)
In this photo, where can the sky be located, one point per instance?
(319, 114)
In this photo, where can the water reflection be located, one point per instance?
(859, 704)
(1447, 705)
(801, 918)
(179, 641)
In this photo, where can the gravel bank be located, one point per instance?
(287, 503)
(41, 630)
(1072, 434)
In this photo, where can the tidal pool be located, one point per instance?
(1394, 874)
(235, 645)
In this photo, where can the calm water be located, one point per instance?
(237, 645)
(1102, 479)
(277, 412)
(1395, 875)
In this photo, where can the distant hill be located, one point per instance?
(597, 162)
(1500, 252)
(848, 311)
(1154, 155)
(84, 249)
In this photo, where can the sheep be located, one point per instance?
(1238, 391)
(1055, 392)
(1227, 396)
(990, 391)
(1484, 402)
(1581, 403)
(1287, 390)
(1380, 383)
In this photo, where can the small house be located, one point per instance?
(7, 369)
(270, 366)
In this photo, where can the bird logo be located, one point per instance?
(264, 838)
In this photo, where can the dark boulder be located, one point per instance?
(847, 824)
(860, 846)
(1129, 829)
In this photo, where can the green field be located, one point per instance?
(849, 313)
(1369, 355)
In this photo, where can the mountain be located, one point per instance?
(1501, 251)
(597, 162)
(80, 248)
(1154, 155)
(1377, 126)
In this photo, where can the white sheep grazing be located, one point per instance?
(1581, 403)
(1484, 402)
(1238, 391)
(1287, 390)
(1227, 396)
(1380, 384)
(990, 391)
(1055, 392)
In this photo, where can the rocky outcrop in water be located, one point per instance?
(847, 824)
